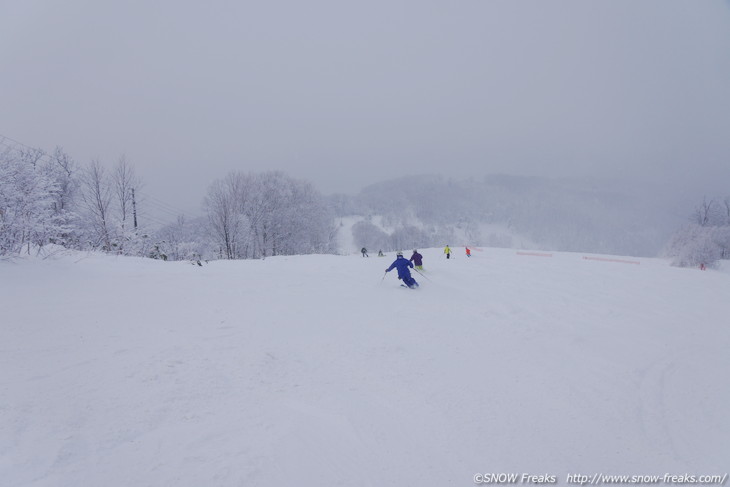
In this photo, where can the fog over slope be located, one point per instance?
(606, 216)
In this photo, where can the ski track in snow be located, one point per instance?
(315, 370)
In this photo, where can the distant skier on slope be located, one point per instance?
(404, 273)
(468, 252)
(447, 251)
(417, 260)
(364, 252)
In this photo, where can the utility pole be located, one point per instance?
(134, 210)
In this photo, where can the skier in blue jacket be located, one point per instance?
(404, 273)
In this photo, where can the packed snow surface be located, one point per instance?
(316, 371)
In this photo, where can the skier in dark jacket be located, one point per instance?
(417, 260)
(404, 273)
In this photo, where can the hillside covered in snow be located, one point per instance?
(321, 370)
(618, 217)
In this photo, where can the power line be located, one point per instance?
(148, 218)
(163, 203)
(161, 210)
(154, 203)
(41, 153)
(160, 203)
(15, 143)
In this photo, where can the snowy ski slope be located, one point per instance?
(315, 371)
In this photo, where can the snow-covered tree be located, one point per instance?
(108, 209)
(96, 201)
(410, 237)
(185, 239)
(709, 214)
(366, 234)
(721, 237)
(694, 245)
(124, 182)
(258, 215)
(706, 239)
(222, 206)
(61, 168)
(130, 237)
(29, 215)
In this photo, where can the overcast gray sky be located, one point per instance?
(346, 93)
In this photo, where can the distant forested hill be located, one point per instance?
(558, 214)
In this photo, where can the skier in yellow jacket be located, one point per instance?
(447, 251)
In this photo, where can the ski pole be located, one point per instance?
(420, 273)
(386, 273)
